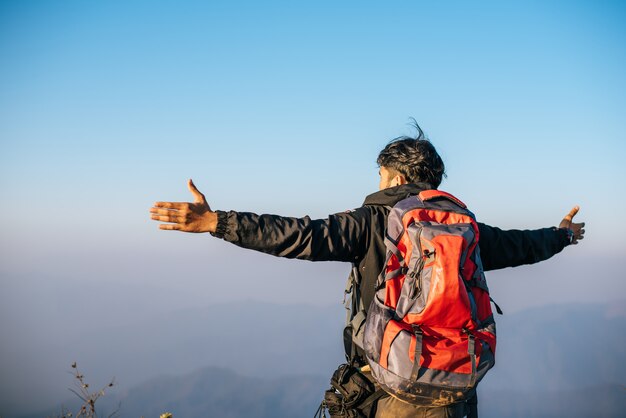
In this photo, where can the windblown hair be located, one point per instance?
(415, 158)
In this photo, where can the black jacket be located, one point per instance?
(357, 237)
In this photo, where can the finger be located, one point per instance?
(169, 227)
(173, 205)
(572, 213)
(166, 211)
(168, 218)
(198, 197)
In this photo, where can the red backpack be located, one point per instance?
(430, 335)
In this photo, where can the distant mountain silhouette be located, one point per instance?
(220, 393)
(215, 392)
(557, 361)
(561, 347)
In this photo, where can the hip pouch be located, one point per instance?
(351, 395)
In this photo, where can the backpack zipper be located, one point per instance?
(416, 291)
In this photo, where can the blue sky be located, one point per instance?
(282, 107)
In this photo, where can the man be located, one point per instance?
(407, 167)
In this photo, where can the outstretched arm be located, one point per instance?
(341, 237)
(194, 216)
(500, 249)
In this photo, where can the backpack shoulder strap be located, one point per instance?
(433, 194)
(355, 316)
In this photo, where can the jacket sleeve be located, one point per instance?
(340, 237)
(500, 249)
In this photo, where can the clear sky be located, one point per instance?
(282, 107)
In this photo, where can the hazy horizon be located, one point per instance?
(534, 351)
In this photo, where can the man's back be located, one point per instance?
(407, 166)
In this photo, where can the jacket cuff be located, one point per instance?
(222, 224)
(566, 236)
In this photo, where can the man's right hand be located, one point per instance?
(577, 229)
(194, 216)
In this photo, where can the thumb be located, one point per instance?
(198, 197)
(572, 213)
(567, 220)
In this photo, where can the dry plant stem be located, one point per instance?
(88, 409)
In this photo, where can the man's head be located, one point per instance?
(410, 160)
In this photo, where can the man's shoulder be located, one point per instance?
(392, 195)
(362, 211)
